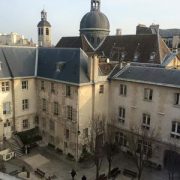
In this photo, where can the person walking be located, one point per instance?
(84, 178)
(73, 174)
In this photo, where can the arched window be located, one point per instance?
(47, 31)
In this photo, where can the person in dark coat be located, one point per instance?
(84, 178)
(73, 174)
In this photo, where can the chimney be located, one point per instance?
(118, 32)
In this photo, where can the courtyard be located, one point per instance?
(58, 167)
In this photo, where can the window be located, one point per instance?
(60, 65)
(25, 104)
(44, 123)
(177, 99)
(56, 108)
(6, 108)
(67, 133)
(123, 90)
(175, 131)
(101, 89)
(47, 31)
(145, 148)
(121, 139)
(68, 90)
(52, 88)
(40, 31)
(51, 125)
(44, 105)
(152, 56)
(42, 85)
(122, 112)
(5, 86)
(24, 84)
(148, 94)
(25, 123)
(7, 123)
(69, 112)
(146, 121)
(85, 132)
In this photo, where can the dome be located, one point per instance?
(44, 23)
(94, 20)
(95, 25)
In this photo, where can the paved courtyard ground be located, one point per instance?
(53, 163)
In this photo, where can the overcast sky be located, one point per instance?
(22, 16)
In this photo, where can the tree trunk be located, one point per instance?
(139, 174)
(109, 171)
(97, 172)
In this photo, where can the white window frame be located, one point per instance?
(68, 91)
(25, 123)
(123, 90)
(56, 108)
(148, 94)
(146, 121)
(5, 86)
(121, 114)
(121, 139)
(175, 134)
(25, 104)
(6, 108)
(24, 85)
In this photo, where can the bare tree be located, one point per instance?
(97, 129)
(171, 160)
(110, 146)
(140, 145)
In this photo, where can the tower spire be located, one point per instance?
(43, 15)
(95, 5)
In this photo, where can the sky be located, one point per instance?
(22, 16)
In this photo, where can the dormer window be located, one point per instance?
(152, 56)
(59, 66)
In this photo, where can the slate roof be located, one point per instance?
(21, 62)
(17, 62)
(44, 23)
(4, 72)
(74, 69)
(94, 20)
(130, 44)
(75, 42)
(168, 33)
(149, 75)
